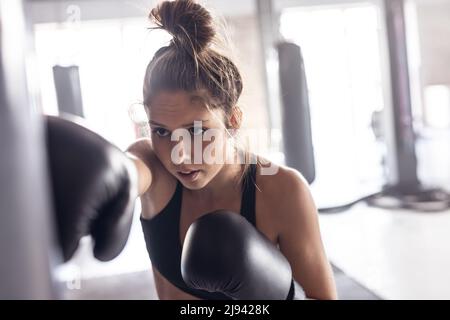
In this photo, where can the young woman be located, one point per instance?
(185, 82)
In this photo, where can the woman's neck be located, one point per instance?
(226, 182)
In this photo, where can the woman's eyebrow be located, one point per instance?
(197, 98)
(192, 123)
(156, 123)
(184, 125)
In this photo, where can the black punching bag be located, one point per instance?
(68, 90)
(295, 112)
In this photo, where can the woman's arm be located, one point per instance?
(136, 153)
(300, 239)
(156, 184)
(143, 172)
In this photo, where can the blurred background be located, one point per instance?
(355, 94)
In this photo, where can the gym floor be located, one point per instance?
(397, 254)
(140, 286)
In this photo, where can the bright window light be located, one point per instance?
(340, 46)
(437, 100)
(112, 56)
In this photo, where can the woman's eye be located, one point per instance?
(196, 131)
(161, 132)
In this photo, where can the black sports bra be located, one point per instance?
(162, 236)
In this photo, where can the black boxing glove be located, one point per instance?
(223, 252)
(94, 188)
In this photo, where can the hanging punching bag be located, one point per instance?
(295, 112)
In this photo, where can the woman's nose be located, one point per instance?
(184, 152)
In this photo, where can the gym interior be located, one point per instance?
(354, 94)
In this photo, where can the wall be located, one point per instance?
(434, 34)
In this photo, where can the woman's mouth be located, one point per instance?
(189, 175)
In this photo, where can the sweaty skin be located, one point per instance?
(285, 210)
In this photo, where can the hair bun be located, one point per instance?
(188, 22)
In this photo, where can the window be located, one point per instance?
(112, 56)
(341, 51)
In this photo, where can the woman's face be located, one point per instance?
(196, 158)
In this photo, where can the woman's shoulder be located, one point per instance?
(284, 198)
(280, 186)
(142, 148)
(163, 183)
(275, 179)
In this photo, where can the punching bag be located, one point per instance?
(295, 111)
(28, 250)
(68, 90)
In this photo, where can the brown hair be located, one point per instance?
(189, 62)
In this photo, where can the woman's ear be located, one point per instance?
(236, 118)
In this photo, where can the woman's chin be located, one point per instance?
(196, 182)
(196, 185)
